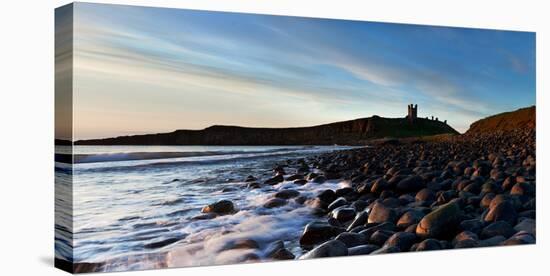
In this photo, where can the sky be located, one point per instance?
(149, 70)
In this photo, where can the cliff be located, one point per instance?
(521, 118)
(353, 132)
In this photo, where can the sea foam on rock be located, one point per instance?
(221, 207)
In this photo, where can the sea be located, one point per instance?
(133, 206)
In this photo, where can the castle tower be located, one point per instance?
(412, 112)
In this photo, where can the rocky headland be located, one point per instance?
(353, 132)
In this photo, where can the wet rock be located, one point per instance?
(303, 169)
(381, 213)
(490, 187)
(228, 189)
(386, 194)
(279, 169)
(320, 179)
(250, 178)
(445, 185)
(277, 251)
(482, 167)
(440, 222)
(406, 199)
(359, 205)
(327, 196)
(222, 207)
(359, 178)
(337, 203)
(317, 232)
(446, 197)
(343, 214)
(409, 184)
(357, 229)
(497, 200)
(528, 214)
(523, 189)
(409, 218)
(300, 182)
(163, 243)
(334, 222)
(295, 177)
(300, 199)
(391, 202)
(472, 225)
(275, 202)
(425, 195)
(282, 254)
(360, 219)
(427, 245)
(362, 249)
(373, 228)
(496, 174)
(519, 238)
(253, 185)
(392, 171)
(501, 211)
(508, 183)
(317, 203)
(346, 191)
(275, 180)
(311, 176)
(364, 188)
(530, 204)
(204, 216)
(499, 228)
(287, 194)
(473, 201)
(331, 248)
(411, 228)
(272, 247)
(351, 239)
(332, 174)
(527, 225)
(380, 237)
(486, 200)
(402, 240)
(379, 186)
(241, 244)
(463, 238)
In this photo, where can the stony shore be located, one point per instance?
(465, 191)
(460, 191)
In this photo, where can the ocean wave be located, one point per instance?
(178, 162)
(132, 156)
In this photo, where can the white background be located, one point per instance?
(26, 133)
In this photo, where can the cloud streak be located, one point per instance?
(334, 69)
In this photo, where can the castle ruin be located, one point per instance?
(412, 113)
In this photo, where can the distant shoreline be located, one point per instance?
(352, 132)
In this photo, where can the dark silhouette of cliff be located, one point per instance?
(353, 132)
(521, 118)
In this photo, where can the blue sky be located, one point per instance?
(146, 70)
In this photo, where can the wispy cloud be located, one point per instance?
(334, 69)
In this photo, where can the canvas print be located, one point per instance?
(193, 138)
